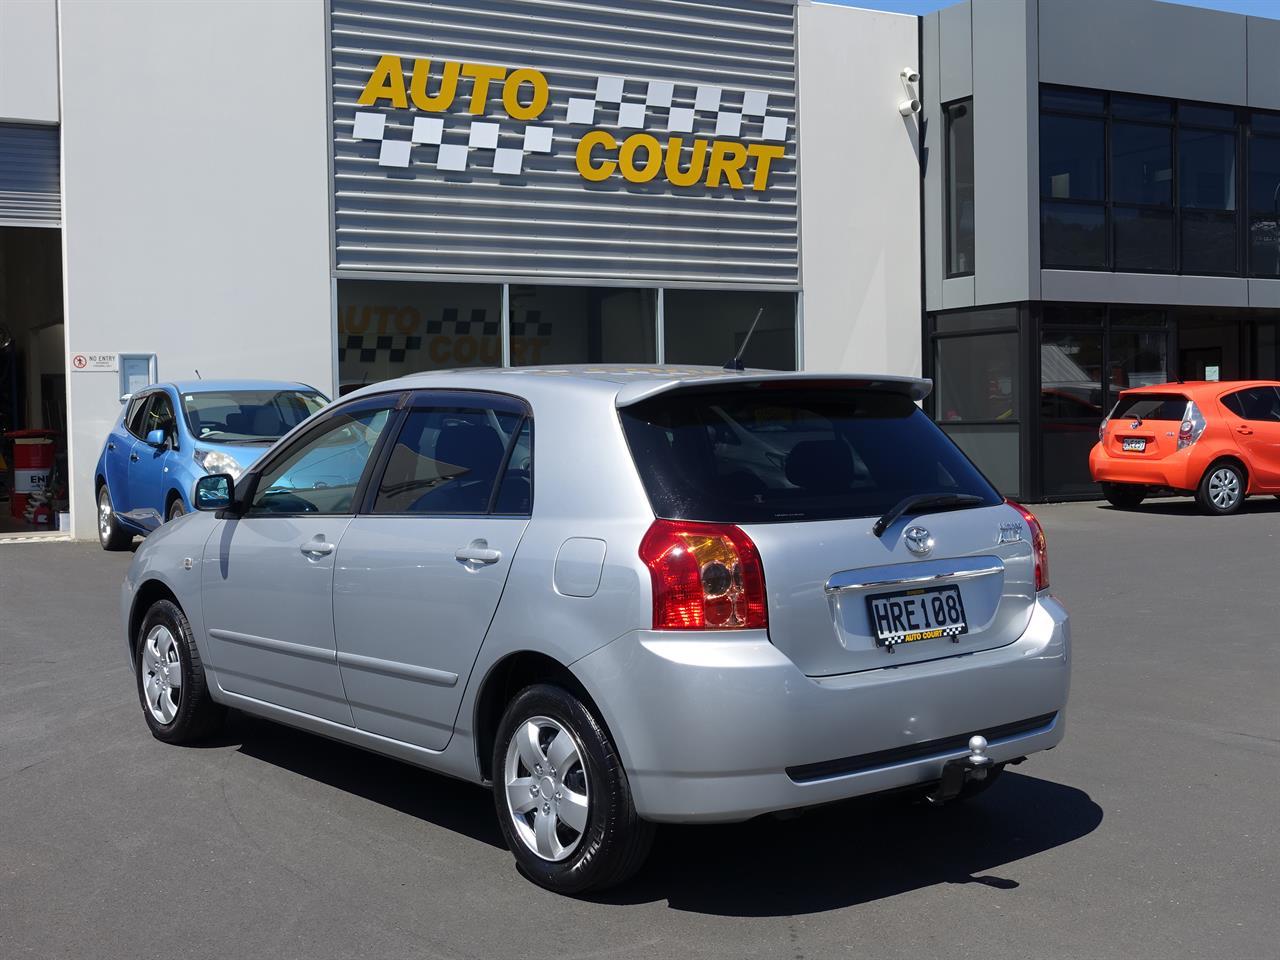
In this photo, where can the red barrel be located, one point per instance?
(32, 465)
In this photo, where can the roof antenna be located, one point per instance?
(736, 362)
(198, 377)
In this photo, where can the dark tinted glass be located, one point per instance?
(1137, 317)
(963, 320)
(1206, 116)
(1264, 246)
(977, 377)
(159, 414)
(1071, 375)
(1141, 163)
(787, 453)
(1207, 169)
(1137, 359)
(1073, 235)
(1265, 123)
(959, 188)
(1264, 175)
(446, 460)
(1143, 239)
(515, 493)
(1208, 243)
(711, 326)
(133, 420)
(1151, 406)
(582, 325)
(1074, 313)
(1256, 403)
(1141, 108)
(1066, 98)
(1072, 158)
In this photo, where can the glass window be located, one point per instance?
(803, 452)
(993, 448)
(1207, 169)
(1208, 243)
(1072, 158)
(965, 320)
(1141, 164)
(1262, 122)
(1071, 383)
(1073, 235)
(515, 493)
(248, 416)
(319, 473)
(708, 326)
(1143, 239)
(133, 418)
(159, 415)
(1074, 313)
(1137, 317)
(1141, 108)
(960, 188)
(1137, 359)
(1165, 407)
(388, 328)
(1206, 116)
(1260, 404)
(1066, 98)
(446, 460)
(977, 377)
(1264, 206)
(582, 325)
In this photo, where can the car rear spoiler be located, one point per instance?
(916, 388)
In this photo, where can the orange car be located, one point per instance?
(1218, 442)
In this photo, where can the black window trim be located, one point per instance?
(947, 186)
(144, 401)
(452, 397)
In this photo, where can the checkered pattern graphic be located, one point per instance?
(481, 135)
(952, 632)
(751, 120)
(530, 324)
(366, 347)
(607, 108)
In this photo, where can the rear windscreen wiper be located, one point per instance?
(913, 504)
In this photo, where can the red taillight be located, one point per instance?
(706, 576)
(1039, 545)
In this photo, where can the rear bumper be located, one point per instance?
(1177, 471)
(725, 729)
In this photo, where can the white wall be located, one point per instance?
(859, 191)
(194, 197)
(29, 61)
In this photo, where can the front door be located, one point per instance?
(267, 576)
(1255, 423)
(420, 574)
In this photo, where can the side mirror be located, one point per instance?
(157, 438)
(214, 492)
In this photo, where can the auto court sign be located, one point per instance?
(610, 135)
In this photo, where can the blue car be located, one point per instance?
(170, 434)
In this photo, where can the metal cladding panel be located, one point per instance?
(397, 211)
(30, 190)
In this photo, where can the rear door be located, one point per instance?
(120, 444)
(806, 471)
(1254, 419)
(421, 570)
(150, 465)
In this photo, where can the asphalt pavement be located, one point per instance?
(1151, 832)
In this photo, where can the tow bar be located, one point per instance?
(956, 773)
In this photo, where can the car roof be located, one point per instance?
(627, 383)
(218, 386)
(1193, 387)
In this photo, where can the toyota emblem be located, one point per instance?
(918, 540)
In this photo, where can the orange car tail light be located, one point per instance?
(1192, 426)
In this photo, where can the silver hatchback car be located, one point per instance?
(620, 596)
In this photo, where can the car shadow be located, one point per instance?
(1186, 507)
(461, 807)
(858, 851)
(835, 856)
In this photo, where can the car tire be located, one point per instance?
(1123, 495)
(172, 689)
(595, 841)
(111, 532)
(1222, 489)
(176, 510)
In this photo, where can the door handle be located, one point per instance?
(1245, 431)
(477, 551)
(133, 457)
(316, 548)
(111, 446)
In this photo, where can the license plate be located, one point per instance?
(1136, 444)
(912, 615)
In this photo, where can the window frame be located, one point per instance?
(429, 399)
(948, 186)
(247, 488)
(143, 401)
(1233, 394)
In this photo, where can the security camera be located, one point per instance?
(910, 74)
(909, 107)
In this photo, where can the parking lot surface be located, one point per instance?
(1151, 832)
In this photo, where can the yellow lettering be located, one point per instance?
(685, 178)
(438, 350)
(448, 89)
(764, 154)
(511, 91)
(727, 158)
(465, 349)
(385, 83)
(652, 162)
(590, 170)
(481, 74)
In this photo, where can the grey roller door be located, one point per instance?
(401, 208)
(29, 180)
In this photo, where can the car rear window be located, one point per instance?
(1151, 406)
(767, 454)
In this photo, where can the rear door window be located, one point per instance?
(1151, 406)
(775, 453)
(1259, 404)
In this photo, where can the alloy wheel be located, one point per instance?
(548, 796)
(104, 515)
(161, 668)
(1224, 488)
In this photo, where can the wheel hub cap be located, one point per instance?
(546, 784)
(1224, 488)
(161, 669)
